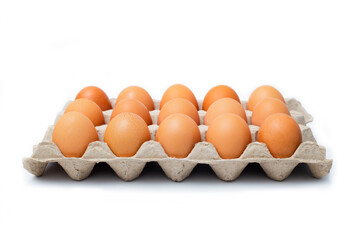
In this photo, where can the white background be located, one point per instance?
(49, 50)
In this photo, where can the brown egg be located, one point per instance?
(72, 134)
(267, 107)
(178, 91)
(261, 93)
(218, 92)
(89, 109)
(281, 134)
(224, 105)
(229, 134)
(126, 133)
(179, 105)
(138, 93)
(133, 106)
(96, 95)
(178, 135)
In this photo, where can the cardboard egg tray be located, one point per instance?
(177, 169)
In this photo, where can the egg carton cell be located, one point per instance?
(177, 169)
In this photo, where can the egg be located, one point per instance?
(281, 134)
(224, 105)
(133, 106)
(178, 91)
(260, 94)
(72, 134)
(96, 95)
(126, 133)
(138, 93)
(179, 105)
(178, 135)
(229, 134)
(218, 92)
(267, 107)
(89, 109)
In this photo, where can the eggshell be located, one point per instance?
(281, 134)
(96, 95)
(178, 91)
(89, 109)
(179, 105)
(72, 134)
(266, 108)
(218, 92)
(229, 134)
(133, 106)
(224, 105)
(126, 133)
(261, 93)
(178, 135)
(138, 93)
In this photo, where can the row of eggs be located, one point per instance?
(178, 122)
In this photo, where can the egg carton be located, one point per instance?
(177, 169)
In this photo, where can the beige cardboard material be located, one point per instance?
(128, 169)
